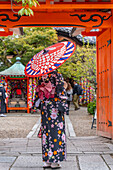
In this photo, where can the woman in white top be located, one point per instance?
(69, 91)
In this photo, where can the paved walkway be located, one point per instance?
(83, 153)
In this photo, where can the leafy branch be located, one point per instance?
(27, 5)
(82, 64)
(3, 52)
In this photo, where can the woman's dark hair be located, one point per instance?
(3, 84)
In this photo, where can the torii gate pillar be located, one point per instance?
(105, 83)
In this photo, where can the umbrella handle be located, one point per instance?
(45, 51)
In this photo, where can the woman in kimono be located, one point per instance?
(53, 97)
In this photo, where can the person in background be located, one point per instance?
(72, 83)
(75, 95)
(2, 101)
(65, 85)
(69, 91)
(5, 86)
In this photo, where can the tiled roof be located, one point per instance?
(16, 69)
(91, 40)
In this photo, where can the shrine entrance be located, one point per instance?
(85, 14)
(17, 98)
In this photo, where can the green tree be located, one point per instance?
(82, 64)
(27, 5)
(4, 62)
(27, 45)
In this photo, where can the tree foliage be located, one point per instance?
(27, 5)
(27, 45)
(82, 64)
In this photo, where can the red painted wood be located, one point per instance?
(95, 33)
(104, 89)
(112, 69)
(3, 33)
(58, 18)
(7, 96)
(17, 108)
(28, 110)
(16, 78)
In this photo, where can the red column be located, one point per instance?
(28, 95)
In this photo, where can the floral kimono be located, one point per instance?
(53, 107)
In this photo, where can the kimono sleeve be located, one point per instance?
(61, 95)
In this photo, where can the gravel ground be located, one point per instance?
(17, 125)
(81, 121)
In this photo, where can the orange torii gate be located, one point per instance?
(87, 14)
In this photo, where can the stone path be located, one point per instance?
(81, 121)
(83, 153)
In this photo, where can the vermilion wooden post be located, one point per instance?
(97, 80)
(112, 70)
(104, 85)
(7, 96)
(28, 95)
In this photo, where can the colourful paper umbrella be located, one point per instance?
(49, 59)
